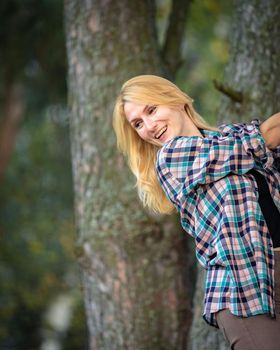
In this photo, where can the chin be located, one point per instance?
(168, 138)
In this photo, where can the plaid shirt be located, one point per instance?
(206, 179)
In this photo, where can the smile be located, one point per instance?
(159, 134)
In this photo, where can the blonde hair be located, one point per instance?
(141, 155)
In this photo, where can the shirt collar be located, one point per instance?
(209, 133)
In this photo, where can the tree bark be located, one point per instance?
(253, 71)
(254, 65)
(135, 266)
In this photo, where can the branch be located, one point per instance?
(174, 34)
(234, 95)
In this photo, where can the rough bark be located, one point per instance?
(135, 265)
(202, 336)
(254, 65)
(253, 71)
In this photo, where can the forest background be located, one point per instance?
(41, 302)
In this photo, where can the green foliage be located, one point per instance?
(37, 261)
(32, 44)
(37, 232)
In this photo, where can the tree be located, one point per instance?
(36, 200)
(252, 90)
(254, 67)
(135, 265)
(29, 31)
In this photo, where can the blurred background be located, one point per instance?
(41, 302)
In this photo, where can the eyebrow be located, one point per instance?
(144, 110)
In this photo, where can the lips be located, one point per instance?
(160, 132)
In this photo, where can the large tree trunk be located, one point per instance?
(254, 67)
(135, 265)
(253, 91)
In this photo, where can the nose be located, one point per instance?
(149, 123)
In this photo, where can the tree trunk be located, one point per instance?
(253, 72)
(254, 66)
(135, 265)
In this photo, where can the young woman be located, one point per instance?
(225, 183)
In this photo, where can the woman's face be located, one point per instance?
(159, 124)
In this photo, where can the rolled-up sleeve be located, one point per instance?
(192, 161)
(253, 141)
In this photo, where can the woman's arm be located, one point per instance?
(270, 130)
(185, 162)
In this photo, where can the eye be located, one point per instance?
(151, 109)
(137, 124)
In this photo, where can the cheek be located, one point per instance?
(142, 134)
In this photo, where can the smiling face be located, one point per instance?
(159, 124)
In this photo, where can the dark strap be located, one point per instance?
(270, 212)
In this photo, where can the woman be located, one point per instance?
(220, 180)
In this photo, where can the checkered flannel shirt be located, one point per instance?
(206, 179)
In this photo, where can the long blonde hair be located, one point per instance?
(141, 155)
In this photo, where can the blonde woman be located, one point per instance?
(224, 182)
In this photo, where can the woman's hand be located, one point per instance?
(270, 130)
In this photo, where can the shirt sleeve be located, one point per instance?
(186, 162)
(266, 155)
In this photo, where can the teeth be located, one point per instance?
(157, 136)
